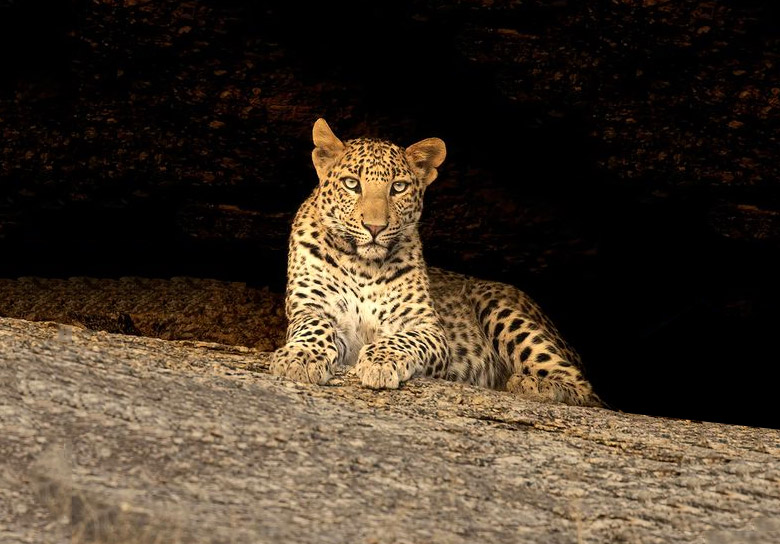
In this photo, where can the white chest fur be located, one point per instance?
(359, 321)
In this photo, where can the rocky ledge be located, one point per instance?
(117, 438)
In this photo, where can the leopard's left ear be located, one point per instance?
(425, 157)
(327, 148)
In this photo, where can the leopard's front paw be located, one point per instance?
(381, 367)
(302, 364)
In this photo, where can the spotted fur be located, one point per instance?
(359, 292)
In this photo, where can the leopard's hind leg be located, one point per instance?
(539, 362)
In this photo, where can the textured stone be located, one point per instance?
(111, 438)
(176, 309)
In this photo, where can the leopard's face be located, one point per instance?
(370, 198)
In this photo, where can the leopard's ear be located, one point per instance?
(327, 148)
(425, 157)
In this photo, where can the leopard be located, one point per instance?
(361, 300)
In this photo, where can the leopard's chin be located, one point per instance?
(372, 251)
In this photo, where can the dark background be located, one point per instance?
(616, 160)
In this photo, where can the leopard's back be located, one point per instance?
(497, 334)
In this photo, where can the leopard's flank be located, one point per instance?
(359, 293)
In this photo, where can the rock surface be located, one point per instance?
(177, 309)
(113, 438)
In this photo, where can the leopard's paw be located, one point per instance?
(301, 364)
(381, 367)
(553, 388)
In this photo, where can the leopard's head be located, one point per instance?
(371, 191)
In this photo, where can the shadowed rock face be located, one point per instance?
(177, 309)
(615, 161)
(110, 438)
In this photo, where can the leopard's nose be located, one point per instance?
(374, 229)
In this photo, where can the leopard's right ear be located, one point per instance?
(327, 148)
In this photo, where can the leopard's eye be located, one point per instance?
(399, 187)
(352, 184)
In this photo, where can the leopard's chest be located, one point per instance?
(361, 317)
